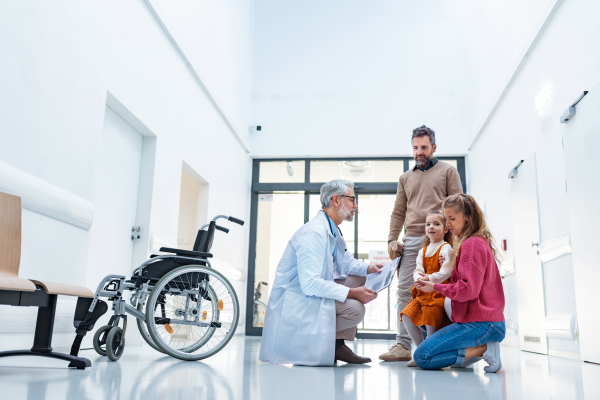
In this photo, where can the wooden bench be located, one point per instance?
(16, 291)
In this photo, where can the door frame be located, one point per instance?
(360, 188)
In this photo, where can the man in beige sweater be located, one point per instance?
(420, 190)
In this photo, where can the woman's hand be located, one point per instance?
(424, 277)
(424, 286)
(442, 258)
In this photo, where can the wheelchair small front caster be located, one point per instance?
(114, 347)
(100, 339)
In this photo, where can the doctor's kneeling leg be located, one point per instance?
(348, 315)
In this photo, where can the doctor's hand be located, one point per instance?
(362, 294)
(424, 286)
(374, 269)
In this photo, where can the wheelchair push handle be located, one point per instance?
(221, 228)
(229, 218)
(236, 221)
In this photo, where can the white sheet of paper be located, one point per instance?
(378, 282)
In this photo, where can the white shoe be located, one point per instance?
(492, 357)
(411, 363)
(396, 353)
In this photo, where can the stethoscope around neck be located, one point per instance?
(329, 222)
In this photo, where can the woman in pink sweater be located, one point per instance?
(475, 293)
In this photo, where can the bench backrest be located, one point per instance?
(10, 234)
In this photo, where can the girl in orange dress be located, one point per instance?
(428, 308)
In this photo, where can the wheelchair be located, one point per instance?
(182, 306)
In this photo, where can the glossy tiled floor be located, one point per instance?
(236, 373)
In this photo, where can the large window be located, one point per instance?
(285, 195)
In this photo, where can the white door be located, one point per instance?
(581, 137)
(528, 266)
(115, 202)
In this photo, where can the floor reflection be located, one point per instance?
(180, 380)
(236, 373)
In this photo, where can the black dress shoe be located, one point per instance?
(343, 353)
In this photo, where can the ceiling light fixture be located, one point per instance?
(357, 164)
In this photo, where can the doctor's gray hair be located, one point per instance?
(336, 186)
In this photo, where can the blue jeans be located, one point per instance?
(447, 346)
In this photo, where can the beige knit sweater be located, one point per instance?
(420, 192)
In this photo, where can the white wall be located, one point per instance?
(354, 78)
(59, 61)
(566, 59)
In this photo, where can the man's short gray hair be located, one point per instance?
(336, 186)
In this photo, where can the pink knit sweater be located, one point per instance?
(475, 286)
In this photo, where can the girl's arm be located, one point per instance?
(419, 270)
(445, 270)
(471, 270)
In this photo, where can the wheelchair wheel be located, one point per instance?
(192, 312)
(99, 340)
(114, 348)
(141, 324)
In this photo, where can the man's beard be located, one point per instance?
(345, 214)
(423, 162)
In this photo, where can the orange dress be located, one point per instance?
(428, 308)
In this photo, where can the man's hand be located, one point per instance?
(424, 277)
(395, 249)
(362, 294)
(424, 286)
(374, 269)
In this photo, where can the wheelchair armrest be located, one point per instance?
(188, 253)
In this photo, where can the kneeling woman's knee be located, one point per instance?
(420, 357)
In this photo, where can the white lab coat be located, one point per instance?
(299, 326)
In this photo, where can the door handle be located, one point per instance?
(535, 245)
(133, 230)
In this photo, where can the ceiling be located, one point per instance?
(373, 71)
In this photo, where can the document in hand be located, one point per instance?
(378, 282)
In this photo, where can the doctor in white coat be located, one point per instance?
(318, 297)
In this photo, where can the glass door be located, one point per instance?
(373, 226)
(280, 215)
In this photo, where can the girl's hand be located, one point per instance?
(442, 258)
(424, 286)
(424, 277)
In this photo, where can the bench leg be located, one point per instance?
(76, 362)
(42, 341)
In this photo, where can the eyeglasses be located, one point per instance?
(350, 197)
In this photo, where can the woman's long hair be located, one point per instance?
(447, 236)
(475, 224)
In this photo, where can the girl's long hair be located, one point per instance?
(475, 224)
(447, 236)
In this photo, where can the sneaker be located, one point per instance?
(492, 357)
(411, 363)
(396, 353)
